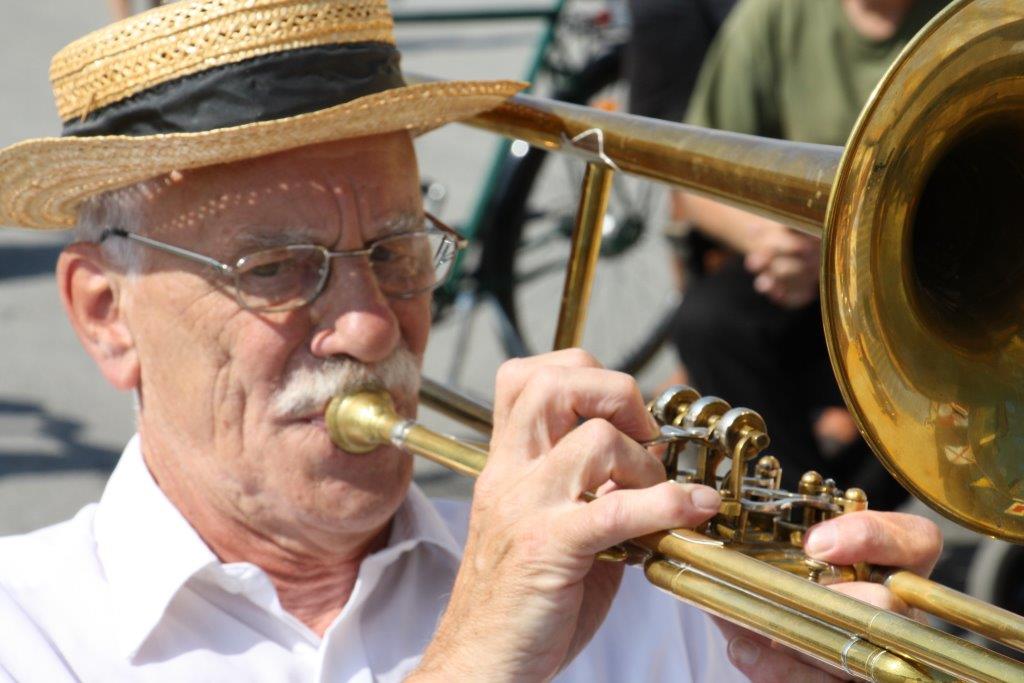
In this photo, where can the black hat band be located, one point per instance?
(263, 88)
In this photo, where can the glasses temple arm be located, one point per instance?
(169, 248)
(439, 225)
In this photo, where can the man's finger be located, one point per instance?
(555, 399)
(765, 283)
(797, 297)
(780, 293)
(595, 453)
(628, 513)
(755, 656)
(887, 538)
(516, 372)
(758, 260)
(786, 267)
(873, 594)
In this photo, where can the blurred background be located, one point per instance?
(62, 428)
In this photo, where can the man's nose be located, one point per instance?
(353, 317)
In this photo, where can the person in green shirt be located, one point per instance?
(750, 328)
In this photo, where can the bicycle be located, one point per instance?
(522, 220)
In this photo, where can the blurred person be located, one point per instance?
(666, 47)
(750, 327)
(249, 242)
(123, 8)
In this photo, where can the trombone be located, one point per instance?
(922, 288)
(864, 641)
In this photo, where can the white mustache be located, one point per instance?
(307, 390)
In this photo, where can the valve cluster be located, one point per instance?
(712, 443)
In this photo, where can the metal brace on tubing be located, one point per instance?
(573, 146)
(844, 655)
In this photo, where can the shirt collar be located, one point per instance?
(415, 522)
(149, 551)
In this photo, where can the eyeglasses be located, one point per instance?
(284, 278)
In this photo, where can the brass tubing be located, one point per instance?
(586, 247)
(782, 180)
(358, 423)
(367, 417)
(456, 405)
(444, 450)
(955, 607)
(817, 639)
(950, 605)
(367, 420)
(899, 634)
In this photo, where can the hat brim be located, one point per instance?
(43, 181)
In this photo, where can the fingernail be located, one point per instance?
(706, 499)
(821, 539)
(743, 651)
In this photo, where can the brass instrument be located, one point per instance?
(705, 569)
(922, 295)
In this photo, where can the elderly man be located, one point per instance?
(250, 242)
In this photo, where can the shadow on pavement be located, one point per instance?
(73, 454)
(28, 260)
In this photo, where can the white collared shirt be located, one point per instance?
(128, 591)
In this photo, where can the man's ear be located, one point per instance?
(91, 293)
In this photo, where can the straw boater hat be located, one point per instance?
(211, 81)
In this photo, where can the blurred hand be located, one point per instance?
(785, 264)
(885, 538)
(529, 586)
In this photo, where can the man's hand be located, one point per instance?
(885, 538)
(529, 594)
(783, 261)
(785, 264)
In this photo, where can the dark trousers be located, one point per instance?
(739, 346)
(665, 52)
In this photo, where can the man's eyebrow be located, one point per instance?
(406, 221)
(276, 238)
(402, 222)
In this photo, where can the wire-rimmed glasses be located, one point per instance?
(283, 278)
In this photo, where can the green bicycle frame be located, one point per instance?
(471, 228)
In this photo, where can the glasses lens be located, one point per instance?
(413, 262)
(279, 279)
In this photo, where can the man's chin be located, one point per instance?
(311, 483)
(367, 486)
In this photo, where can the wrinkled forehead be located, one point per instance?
(340, 192)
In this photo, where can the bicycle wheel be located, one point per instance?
(527, 244)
